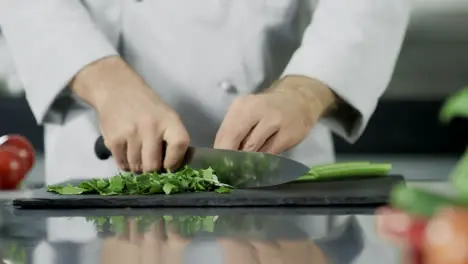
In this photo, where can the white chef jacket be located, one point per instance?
(198, 56)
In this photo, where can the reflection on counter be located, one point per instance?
(230, 236)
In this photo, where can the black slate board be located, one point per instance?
(193, 211)
(347, 192)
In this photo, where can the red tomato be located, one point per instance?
(446, 237)
(12, 169)
(22, 146)
(401, 228)
(414, 256)
(416, 233)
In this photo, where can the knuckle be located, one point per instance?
(149, 123)
(235, 137)
(115, 142)
(181, 142)
(151, 166)
(275, 121)
(251, 146)
(129, 131)
(239, 101)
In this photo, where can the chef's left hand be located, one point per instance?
(277, 119)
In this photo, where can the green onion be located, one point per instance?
(420, 202)
(344, 170)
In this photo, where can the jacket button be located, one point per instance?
(228, 87)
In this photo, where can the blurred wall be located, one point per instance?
(434, 58)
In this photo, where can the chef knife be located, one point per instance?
(237, 168)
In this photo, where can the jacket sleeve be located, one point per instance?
(50, 40)
(352, 46)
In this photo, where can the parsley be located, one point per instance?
(185, 180)
(258, 227)
(184, 225)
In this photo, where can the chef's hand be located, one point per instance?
(276, 120)
(160, 244)
(134, 120)
(262, 252)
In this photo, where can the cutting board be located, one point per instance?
(346, 192)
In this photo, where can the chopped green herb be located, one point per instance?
(185, 225)
(185, 180)
(205, 180)
(223, 189)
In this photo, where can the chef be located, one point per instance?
(276, 76)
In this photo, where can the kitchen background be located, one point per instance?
(404, 130)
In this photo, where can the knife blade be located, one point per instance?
(237, 168)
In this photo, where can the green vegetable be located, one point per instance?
(455, 106)
(184, 225)
(15, 252)
(241, 226)
(346, 169)
(420, 202)
(459, 177)
(205, 180)
(185, 180)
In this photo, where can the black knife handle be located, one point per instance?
(103, 153)
(100, 149)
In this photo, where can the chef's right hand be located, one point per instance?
(134, 121)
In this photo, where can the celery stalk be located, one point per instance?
(317, 168)
(343, 170)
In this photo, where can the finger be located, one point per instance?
(160, 230)
(177, 141)
(272, 144)
(133, 234)
(234, 129)
(278, 143)
(260, 134)
(153, 234)
(238, 251)
(134, 154)
(119, 153)
(267, 251)
(173, 236)
(151, 152)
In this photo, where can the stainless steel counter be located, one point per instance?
(222, 236)
(172, 236)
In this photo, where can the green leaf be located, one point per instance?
(168, 187)
(421, 202)
(459, 177)
(167, 218)
(118, 224)
(68, 190)
(116, 184)
(185, 180)
(155, 187)
(223, 189)
(208, 224)
(455, 106)
(101, 184)
(208, 174)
